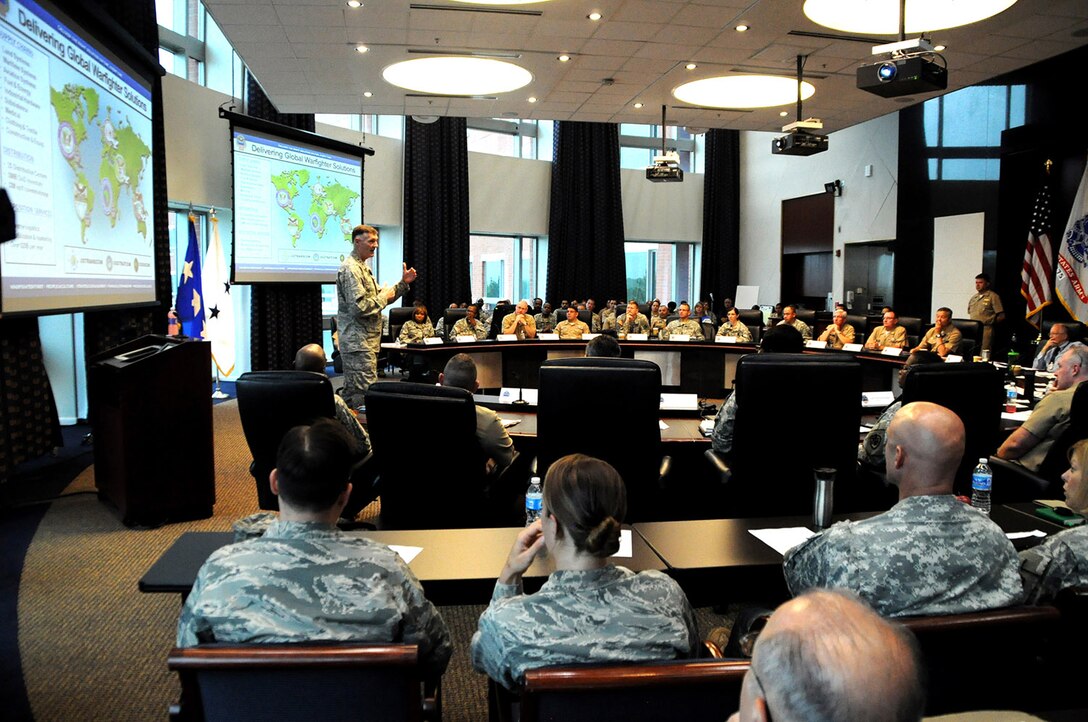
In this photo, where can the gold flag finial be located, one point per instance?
(1048, 165)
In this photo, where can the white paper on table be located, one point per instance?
(662, 425)
(625, 545)
(784, 539)
(1016, 416)
(953, 359)
(1024, 534)
(406, 553)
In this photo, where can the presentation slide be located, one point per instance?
(75, 157)
(294, 207)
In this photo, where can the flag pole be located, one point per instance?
(219, 393)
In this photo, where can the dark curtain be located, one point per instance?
(585, 221)
(28, 414)
(436, 211)
(721, 216)
(283, 317)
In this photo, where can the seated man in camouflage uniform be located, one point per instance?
(928, 554)
(632, 321)
(684, 325)
(470, 325)
(789, 318)
(303, 580)
(545, 320)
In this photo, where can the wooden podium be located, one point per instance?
(151, 411)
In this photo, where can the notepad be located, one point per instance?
(783, 539)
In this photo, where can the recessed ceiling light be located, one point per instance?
(457, 75)
(939, 48)
(563, 58)
(532, 99)
(594, 16)
(691, 66)
(784, 113)
(368, 94)
(354, 4)
(362, 49)
(881, 17)
(638, 105)
(742, 91)
(742, 28)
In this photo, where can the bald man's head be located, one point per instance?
(923, 449)
(827, 656)
(311, 357)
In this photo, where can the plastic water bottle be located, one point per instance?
(982, 480)
(533, 498)
(1010, 399)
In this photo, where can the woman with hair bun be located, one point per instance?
(589, 610)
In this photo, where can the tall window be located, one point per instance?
(665, 271)
(497, 136)
(963, 130)
(640, 143)
(503, 267)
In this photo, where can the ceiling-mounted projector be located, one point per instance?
(666, 168)
(801, 139)
(909, 69)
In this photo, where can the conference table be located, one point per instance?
(705, 368)
(714, 560)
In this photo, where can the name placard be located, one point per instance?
(891, 351)
(432, 341)
(852, 347)
(638, 337)
(465, 339)
(548, 336)
(725, 339)
(507, 337)
(816, 344)
(680, 337)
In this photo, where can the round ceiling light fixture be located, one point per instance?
(881, 17)
(457, 75)
(742, 91)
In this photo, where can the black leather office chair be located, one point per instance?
(1013, 482)
(913, 325)
(581, 397)
(287, 682)
(971, 337)
(431, 469)
(398, 315)
(585, 316)
(709, 330)
(808, 315)
(861, 327)
(501, 312)
(643, 308)
(975, 393)
(795, 413)
(450, 317)
(753, 319)
(270, 403)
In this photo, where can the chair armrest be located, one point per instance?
(1013, 482)
(718, 462)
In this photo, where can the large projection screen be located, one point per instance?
(76, 159)
(296, 198)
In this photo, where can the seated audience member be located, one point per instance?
(304, 580)
(839, 333)
(440, 329)
(608, 316)
(655, 308)
(778, 339)
(311, 357)
(603, 346)
(538, 305)
(594, 317)
(707, 315)
(735, 328)
(1056, 344)
(913, 559)
(827, 656)
(545, 320)
(888, 335)
(520, 322)
(460, 372)
(871, 448)
(943, 338)
(1061, 561)
(632, 321)
(589, 610)
(659, 321)
(571, 327)
(417, 328)
(1029, 442)
(684, 325)
(789, 318)
(470, 325)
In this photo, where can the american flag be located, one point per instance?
(1036, 284)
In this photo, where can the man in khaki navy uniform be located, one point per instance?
(889, 335)
(943, 338)
(789, 318)
(520, 322)
(684, 325)
(573, 327)
(985, 306)
(839, 333)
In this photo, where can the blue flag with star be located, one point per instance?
(188, 303)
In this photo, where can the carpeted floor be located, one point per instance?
(93, 647)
